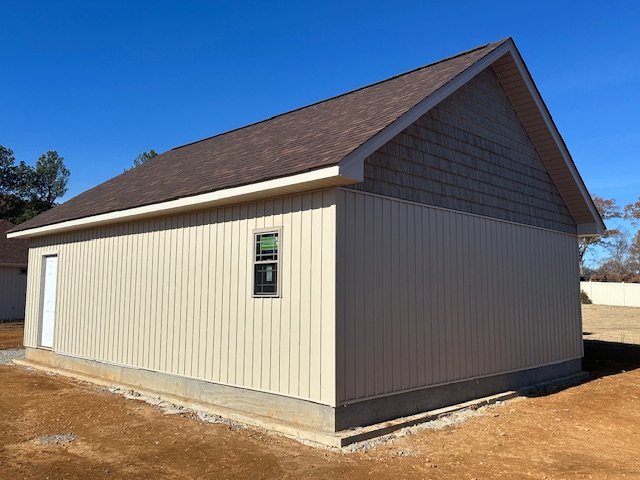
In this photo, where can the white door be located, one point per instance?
(49, 301)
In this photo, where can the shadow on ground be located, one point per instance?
(600, 360)
(608, 358)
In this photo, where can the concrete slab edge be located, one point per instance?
(361, 434)
(269, 425)
(563, 382)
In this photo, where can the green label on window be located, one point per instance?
(268, 243)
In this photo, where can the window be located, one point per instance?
(266, 263)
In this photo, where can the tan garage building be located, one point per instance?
(404, 246)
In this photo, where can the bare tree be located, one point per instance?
(608, 209)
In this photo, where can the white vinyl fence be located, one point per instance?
(609, 293)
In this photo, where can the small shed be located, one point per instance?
(350, 262)
(13, 274)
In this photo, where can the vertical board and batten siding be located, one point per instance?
(470, 153)
(174, 294)
(429, 296)
(13, 292)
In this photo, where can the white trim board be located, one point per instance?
(329, 176)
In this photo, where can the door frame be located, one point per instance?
(43, 280)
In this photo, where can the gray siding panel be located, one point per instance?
(429, 296)
(470, 153)
(13, 293)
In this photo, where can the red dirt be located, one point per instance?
(11, 334)
(590, 430)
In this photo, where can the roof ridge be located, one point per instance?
(497, 43)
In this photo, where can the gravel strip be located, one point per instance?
(8, 356)
(172, 409)
(55, 439)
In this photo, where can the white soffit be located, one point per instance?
(325, 177)
(596, 226)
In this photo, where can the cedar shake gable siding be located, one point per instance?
(307, 139)
(470, 153)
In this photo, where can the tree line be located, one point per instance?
(25, 190)
(619, 260)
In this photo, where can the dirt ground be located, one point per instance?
(11, 334)
(57, 428)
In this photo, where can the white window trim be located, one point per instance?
(260, 231)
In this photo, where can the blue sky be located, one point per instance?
(101, 82)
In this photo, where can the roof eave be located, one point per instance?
(316, 179)
(590, 229)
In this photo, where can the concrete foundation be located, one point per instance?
(387, 408)
(302, 419)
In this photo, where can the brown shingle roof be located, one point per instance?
(12, 251)
(309, 138)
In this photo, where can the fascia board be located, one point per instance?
(314, 179)
(589, 229)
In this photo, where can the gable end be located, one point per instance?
(470, 153)
(536, 119)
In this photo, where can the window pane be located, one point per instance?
(265, 279)
(266, 247)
